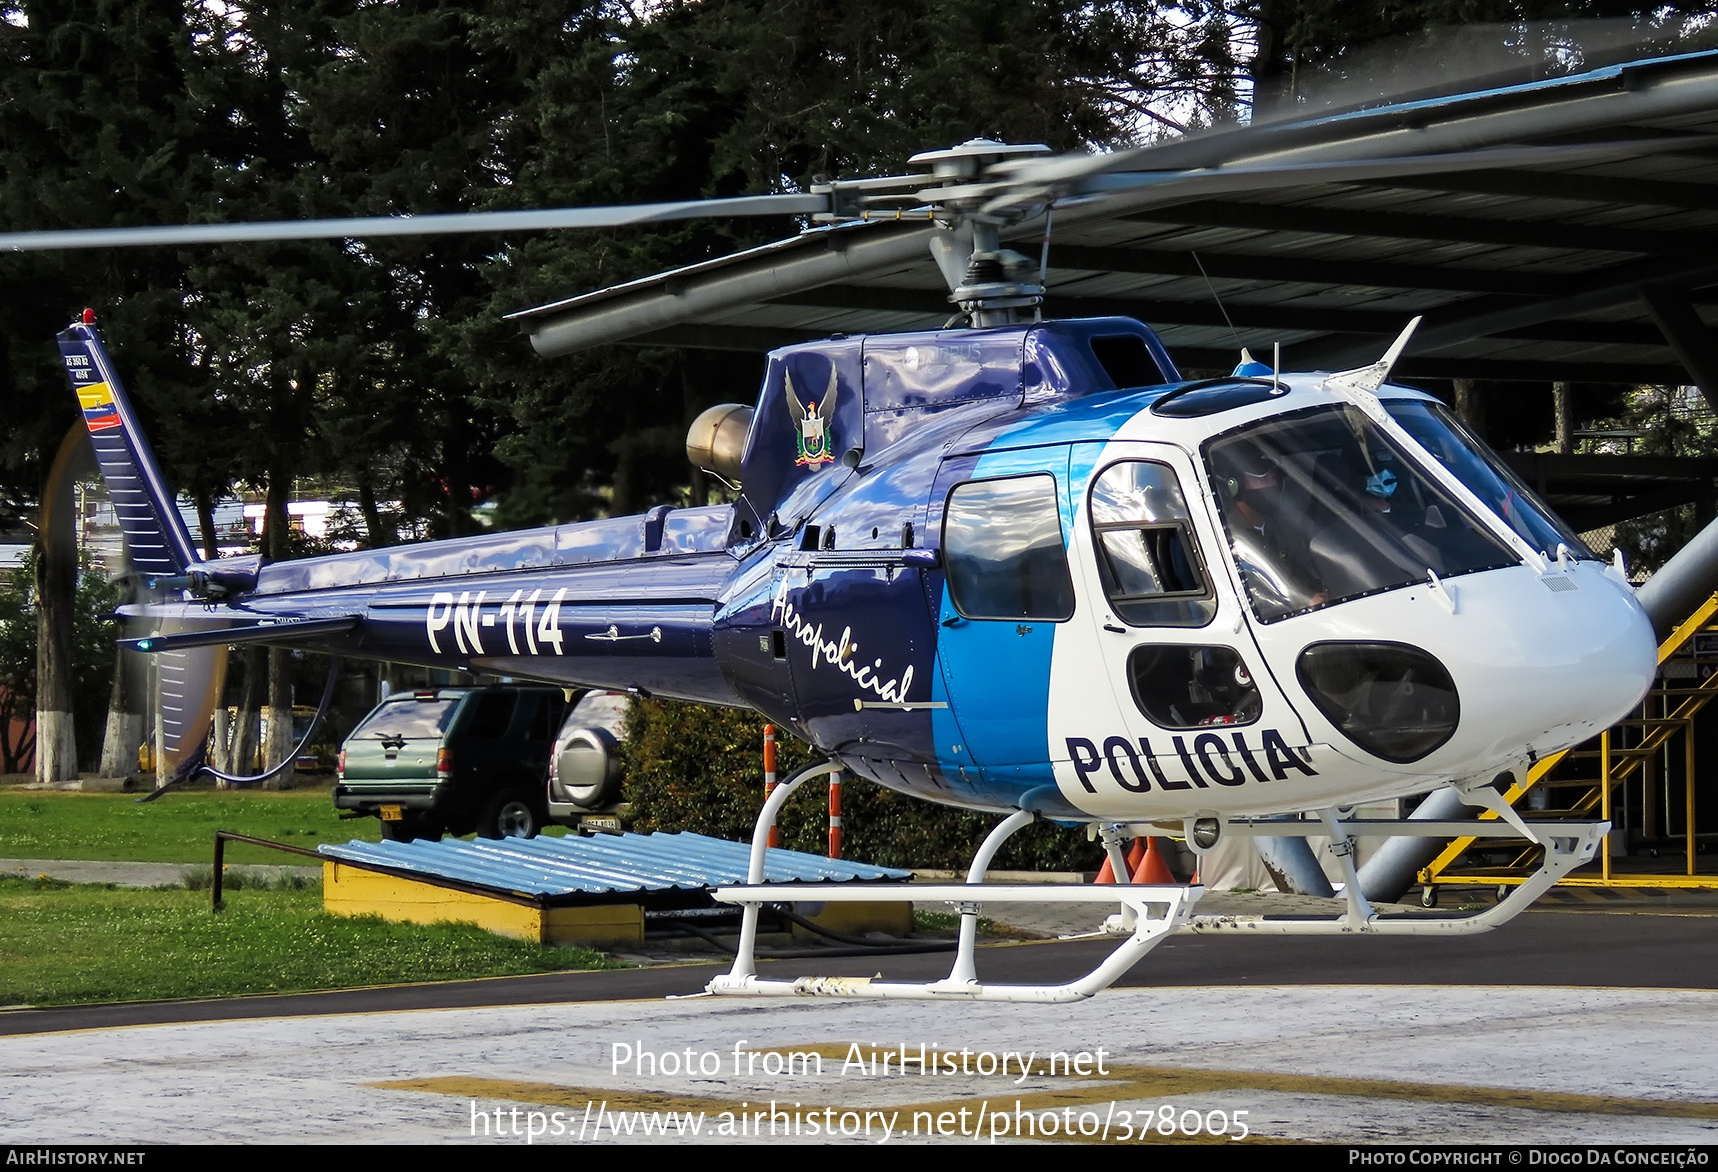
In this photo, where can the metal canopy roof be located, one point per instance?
(1584, 248)
(1593, 491)
(603, 867)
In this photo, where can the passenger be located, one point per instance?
(1270, 547)
(1375, 547)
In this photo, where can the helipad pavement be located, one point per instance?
(1338, 1064)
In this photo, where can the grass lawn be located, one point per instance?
(177, 828)
(62, 944)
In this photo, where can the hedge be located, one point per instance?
(695, 768)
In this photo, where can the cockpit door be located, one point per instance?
(1170, 695)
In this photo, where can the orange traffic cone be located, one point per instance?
(1106, 873)
(1134, 855)
(1151, 867)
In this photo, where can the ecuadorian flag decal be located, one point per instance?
(99, 411)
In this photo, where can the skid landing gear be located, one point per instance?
(962, 983)
(1149, 914)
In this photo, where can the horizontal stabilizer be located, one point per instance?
(286, 631)
(188, 683)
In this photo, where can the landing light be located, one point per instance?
(1206, 832)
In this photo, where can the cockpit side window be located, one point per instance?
(1147, 556)
(1003, 547)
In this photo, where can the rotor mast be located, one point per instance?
(991, 285)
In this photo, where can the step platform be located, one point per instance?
(592, 889)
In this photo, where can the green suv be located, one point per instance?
(453, 761)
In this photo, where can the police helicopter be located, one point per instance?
(1015, 565)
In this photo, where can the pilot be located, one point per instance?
(1269, 544)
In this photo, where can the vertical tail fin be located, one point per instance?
(156, 540)
(189, 686)
(155, 535)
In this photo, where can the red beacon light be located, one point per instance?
(89, 317)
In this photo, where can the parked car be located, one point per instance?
(453, 761)
(584, 769)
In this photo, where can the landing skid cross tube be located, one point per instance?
(1566, 846)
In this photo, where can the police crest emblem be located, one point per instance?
(814, 421)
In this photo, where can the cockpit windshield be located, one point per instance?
(1321, 506)
(1442, 434)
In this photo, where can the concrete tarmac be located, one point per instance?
(1334, 1064)
(141, 874)
(1539, 1033)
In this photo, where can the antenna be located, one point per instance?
(1217, 299)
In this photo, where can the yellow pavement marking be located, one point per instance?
(577, 1101)
(1122, 1083)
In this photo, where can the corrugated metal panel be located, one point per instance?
(1423, 242)
(603, 864)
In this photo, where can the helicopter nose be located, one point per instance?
(1499, 665)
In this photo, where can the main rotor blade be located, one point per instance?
(371, 227)
(1364, 170)
(1186, 184)
(1566, 107)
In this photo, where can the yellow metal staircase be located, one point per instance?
(1630, 749)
